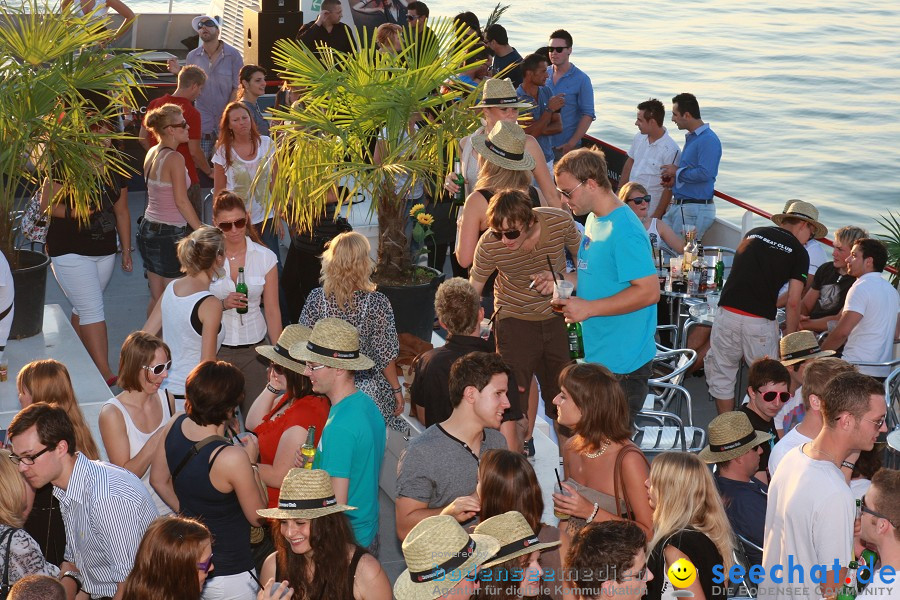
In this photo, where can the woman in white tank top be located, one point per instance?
(130, 423)
(661, 235)
(189, 315)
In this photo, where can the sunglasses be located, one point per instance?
(227, 225)
(512, 234)
(276, 368)
(639, 201)
(875, 514)
(209, 23)
(771, 396)
(182, 125)
(158, 369)
(314, 367)
(28, 460)
(570, 192)
(558, 48)
(413, 17)
(877, 423)
(205, 566)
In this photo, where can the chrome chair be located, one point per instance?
(659, 431)
(670, 367)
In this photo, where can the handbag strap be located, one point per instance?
(194, 451)
(619, 480)
(7, 536)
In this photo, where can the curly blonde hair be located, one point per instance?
(347, 267)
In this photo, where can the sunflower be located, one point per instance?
(415, 209)
(425, 219)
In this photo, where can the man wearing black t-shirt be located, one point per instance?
(767, 387)
(327, 29)
(824, 301)
(745, 326)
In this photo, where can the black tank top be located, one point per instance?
(351, 573)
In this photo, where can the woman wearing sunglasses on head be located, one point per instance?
(284, 411)
(261, 316)
(130, 423)
(637, 197)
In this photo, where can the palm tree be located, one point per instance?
(56, 84)
(352, 103)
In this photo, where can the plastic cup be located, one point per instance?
(713, 301)
(560, 490)
(562, 290)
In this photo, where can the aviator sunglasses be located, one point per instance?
(227, 225)
(158, 369)
(772, 395)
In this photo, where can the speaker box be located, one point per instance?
(262, 30)
(279, 6)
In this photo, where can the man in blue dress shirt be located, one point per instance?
(693, 181)
(575, 85)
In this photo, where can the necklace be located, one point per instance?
(598, 452)
(823, 453)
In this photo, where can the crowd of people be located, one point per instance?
(246, 445)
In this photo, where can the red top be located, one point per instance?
(192, 116)
(306, 411)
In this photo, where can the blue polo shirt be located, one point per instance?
(540, 107)
(699, 165)
(615, 250)
(576, 85)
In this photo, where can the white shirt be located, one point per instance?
(817, 256)
(185, 342)
(872, 340)
(250, 328)
(241, 173)
(648, 158)
(791, 440)
(7, 296)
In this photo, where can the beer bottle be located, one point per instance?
(720, 271)
(848, 590)
(308, 449)
(241, 288)
(460, 196)
(702, 285)
(576, 341)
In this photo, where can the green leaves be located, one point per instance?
(892, 241)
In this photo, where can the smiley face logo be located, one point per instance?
(682, 573)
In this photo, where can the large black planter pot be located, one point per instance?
(30, 281)
(414, 305)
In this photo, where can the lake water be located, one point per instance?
(804, 95)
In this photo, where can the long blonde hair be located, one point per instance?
(686, 496)
(12, 493)
(347, 267)
(494, 177)
(48, 381)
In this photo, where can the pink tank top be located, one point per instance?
(161, 207)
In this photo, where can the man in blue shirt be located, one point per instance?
(616, 280)
(693, 180)
(545, 120)
(576, 88)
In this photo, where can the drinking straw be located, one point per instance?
(659, 250)
(558, 480)
(552, 272)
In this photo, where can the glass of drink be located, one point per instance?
(560, 490)
(485, 329)
(562, 290)
(713, 301)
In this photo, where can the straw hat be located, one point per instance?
(305, 494)
(730, 436)
(280, 352)
(505, 147)
(799, 346)
(333, 343)
(195, 22)
(439, 554)
(500, 93)
(514, 533)
(804, 211)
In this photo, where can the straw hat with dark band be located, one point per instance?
(514, 533)
(799, 346)
(440, 554)
(804, 211)
(280, 353)
(305, 494)
(333, 343)
(505, 147)
(731, 435)
(500, 93)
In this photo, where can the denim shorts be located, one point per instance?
(156, 243)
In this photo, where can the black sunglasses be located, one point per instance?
(781, 396)
(557, 48)
(512, 234)
(864, 508)
(158, 369)
(208, 23)
(413, 17)
(641, 200)
(227, 225)
(276, 368)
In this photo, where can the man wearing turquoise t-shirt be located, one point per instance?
(616, 279)
(352, 443)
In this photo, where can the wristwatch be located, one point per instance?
(76, 576)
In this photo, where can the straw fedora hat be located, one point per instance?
(439, 554)
(500, 93)
(505, 147)
(804, 211)
(280, 353)
(305, 494)
(514, 533)
(799, 346)
(333, 343)
(730, 435)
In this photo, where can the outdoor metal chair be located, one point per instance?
(669, 370)
(659, 431)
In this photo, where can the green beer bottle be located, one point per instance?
(848, 591)
(720, 271)
(576, 342)
(460, 196)
(241, 288)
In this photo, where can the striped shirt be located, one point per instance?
(106, 510)
(515, 267)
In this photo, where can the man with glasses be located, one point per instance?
(767, 388)
(615, 278)
(520, 244)
(327, 29)
(606, 560)
(576, 88)
(105, 509)
(811, 510)
(424, 42)
(880, 523)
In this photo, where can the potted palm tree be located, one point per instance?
(375, 123)
(57, 85)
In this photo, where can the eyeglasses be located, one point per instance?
(772, 395)
(557, 48)
(205, 566)
(569, 193)
(877, 423)
(413, 17)
(227, 225)
(182, 125)
(209, 23)
(28, 460)
(276, 368)
(512, 234)
(158, 369)
(878, 515)
(640, 200)
(314, 367)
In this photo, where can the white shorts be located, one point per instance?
(240, 586)
(735, 337)
(83, 279)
